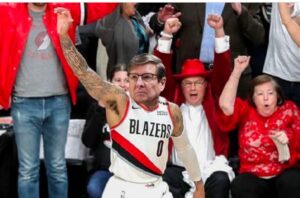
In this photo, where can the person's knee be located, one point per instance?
(28, 172)
(219, 179)
(97, 183)
(93, 190)
(217, 185)
(56, 167)
(28, 176)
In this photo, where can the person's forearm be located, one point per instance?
(187, 155)
(229, 92)
(284, 13)
(219, 32)
(294, 30)
(291, 25)
(91, 81)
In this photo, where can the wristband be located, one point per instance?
(163, 34)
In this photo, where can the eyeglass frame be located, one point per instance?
(153, 76)
(197, 84)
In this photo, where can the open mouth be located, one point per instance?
(193, 96)
(266, 105)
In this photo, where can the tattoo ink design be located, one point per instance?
(93, 83)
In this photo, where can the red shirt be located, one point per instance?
(257, 151)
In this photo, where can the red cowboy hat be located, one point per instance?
(191, 68)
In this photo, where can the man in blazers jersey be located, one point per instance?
(141, 123)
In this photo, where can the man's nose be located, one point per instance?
(140, 81)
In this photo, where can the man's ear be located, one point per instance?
(162, 83)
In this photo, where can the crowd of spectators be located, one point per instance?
(231, 67)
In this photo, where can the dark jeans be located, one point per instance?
(290, 89)
(285, 185)
(216, 186)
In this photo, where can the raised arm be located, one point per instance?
(163, 51)
(222, 63)
(285, 10)
(228, 94)
(111, 96)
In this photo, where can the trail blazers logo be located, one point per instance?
(42, 41)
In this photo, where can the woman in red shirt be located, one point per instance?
(269, 128)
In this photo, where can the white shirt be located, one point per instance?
(283, 55)
(199, 134)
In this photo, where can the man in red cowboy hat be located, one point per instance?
(197, 91)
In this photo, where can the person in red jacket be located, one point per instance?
(197, 91)
(35, 74)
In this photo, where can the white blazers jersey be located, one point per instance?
(140, 142)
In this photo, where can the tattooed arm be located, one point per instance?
(185, 151)
(112, 97)
(177, 119)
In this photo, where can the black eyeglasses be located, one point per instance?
(146, 77)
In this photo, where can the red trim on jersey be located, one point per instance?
(134, 151)
(146, 108)
(125, 114)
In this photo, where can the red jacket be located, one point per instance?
(14, 29)
(218, 78)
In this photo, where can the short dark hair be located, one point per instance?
(114, 69)
(143, 59)
(261, 79)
